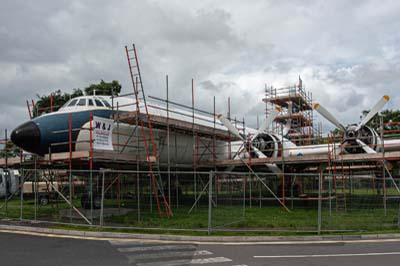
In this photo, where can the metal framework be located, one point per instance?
(296, 104)
(297, 110)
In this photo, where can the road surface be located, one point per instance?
(35, 250)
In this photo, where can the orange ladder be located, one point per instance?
(152, 159)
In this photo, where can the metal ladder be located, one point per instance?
(144, 118)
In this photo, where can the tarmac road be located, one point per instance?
(23, 249)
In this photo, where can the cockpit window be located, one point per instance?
(82, 102)
(91, 102)
(72, 103)
(98, 102)
(106, 103)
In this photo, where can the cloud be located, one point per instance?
(346, 53)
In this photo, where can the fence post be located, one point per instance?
(102, 201)
(210, 201)
(22, 180)
(319, 202)
(35, 187)
(398, 217)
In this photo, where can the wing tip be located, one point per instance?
(316, 105)
(386, 97)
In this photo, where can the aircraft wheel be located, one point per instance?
(43, 200)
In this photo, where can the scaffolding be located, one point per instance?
(155, 182)
(296, 115)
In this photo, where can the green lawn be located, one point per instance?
(272, 218)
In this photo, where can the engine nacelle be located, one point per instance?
(268, 144)
(365, 134)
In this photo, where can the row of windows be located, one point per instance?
(87, 102)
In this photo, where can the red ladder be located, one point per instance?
(137, 83)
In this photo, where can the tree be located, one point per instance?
(58, 99)
(388, 116)
(9, 150)
(104, 88)
(43, 104)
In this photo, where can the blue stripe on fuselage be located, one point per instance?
(49, 124)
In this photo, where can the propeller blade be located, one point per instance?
(274, 168)
(271, 166)
(365, 147)
(258, 152)
(377, 107)
(287, 127)
(325, 113)
(288, 124)
(267, 122)
(229, 126)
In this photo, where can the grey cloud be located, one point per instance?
(219, 87)
(346, 53)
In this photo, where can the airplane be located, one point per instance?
(49, 132)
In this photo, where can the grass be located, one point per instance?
(272, 220)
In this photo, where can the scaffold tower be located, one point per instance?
(296, 120)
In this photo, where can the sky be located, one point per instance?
(346, 52)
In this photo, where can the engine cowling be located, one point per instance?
(365, 134)
(268, 144)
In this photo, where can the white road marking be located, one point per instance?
(186, 262)
(156, 248)
(209, 260)
(328, 255)
(133, 258)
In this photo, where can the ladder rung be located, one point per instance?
(132, 58)
(130, 50)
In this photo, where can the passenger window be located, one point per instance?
(82, 102)
(1, 178)
(98, 102)
(90, 102)
(73, 102)
(106, 103)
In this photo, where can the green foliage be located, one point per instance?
(388, 116)
(9, 150)
(104, 88)
(43, 104)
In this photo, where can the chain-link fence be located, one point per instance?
(204, 201)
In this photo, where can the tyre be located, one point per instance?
(43, 200)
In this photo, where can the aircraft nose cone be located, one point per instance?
(27, 137)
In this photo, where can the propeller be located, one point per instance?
(353, 132)
(325, 113)
(266, 123)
